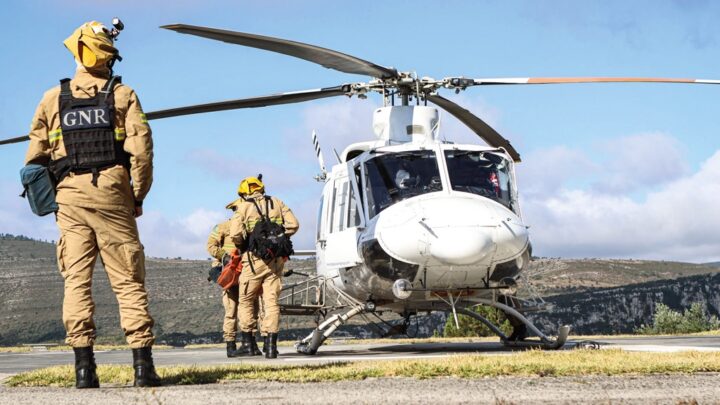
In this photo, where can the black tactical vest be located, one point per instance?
(88, 132)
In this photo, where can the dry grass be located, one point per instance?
(532, 363)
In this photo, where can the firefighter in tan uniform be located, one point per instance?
(92, 133)
(219, 245)
(257, 273)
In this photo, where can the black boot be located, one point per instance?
(231, 349)
(145, 375)
(85, 374)
(245, 348)
(271, 341)
(266, 344)
(255, 349)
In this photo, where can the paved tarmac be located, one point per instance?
(12, 363)
(656, 389)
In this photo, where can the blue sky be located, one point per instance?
(610, 170)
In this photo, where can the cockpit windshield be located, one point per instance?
(482, 173)
(394, 177)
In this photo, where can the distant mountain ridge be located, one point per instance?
(187, 308)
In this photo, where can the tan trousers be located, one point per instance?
(230, 322)
(265, 278)
(84, 233)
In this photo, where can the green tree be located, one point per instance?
(470, 327)
(692, 320)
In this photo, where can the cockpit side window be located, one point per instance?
(481, 173)
(393, 177)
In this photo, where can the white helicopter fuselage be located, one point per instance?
(427, 216)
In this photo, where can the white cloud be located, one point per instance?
(641, 161)
(172, 237)
(16, 217)
(162, 236)
(678, 221)
(544, 172)
(276, 176)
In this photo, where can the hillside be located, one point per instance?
(182, 301)
(562, 276)
(188, 309)
(626, 308)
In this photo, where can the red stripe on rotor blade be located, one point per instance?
(550, 80)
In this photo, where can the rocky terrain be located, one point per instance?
(593, 295)
(626, 308)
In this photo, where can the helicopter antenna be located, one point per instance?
(337, 156)
(318, 152)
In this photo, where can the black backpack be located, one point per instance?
(268, 239)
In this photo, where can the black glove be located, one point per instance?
(214, 273)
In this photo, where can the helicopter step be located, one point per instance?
(306, 297)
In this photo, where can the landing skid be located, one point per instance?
(310, 298)
(544, 341)
(311, 343)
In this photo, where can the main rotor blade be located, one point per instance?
(560, 80)
(15, 140)
(275, 99)
(326, 57)
(262, 101)
(480, 127)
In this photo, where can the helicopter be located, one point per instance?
(409, 222)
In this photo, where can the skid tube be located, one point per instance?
(311, 343)
(545, 342)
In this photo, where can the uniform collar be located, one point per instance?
(88, 82)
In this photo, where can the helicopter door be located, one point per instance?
(345, 220)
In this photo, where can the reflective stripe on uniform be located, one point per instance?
(119, 134)
(54, 136)
(143, 118)
(250, 225)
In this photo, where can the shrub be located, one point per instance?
(692, 320)
(470, 327)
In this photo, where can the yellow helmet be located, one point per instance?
(250, 185)
(92, 45)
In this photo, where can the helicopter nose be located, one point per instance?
(450, 231)
(460, 246)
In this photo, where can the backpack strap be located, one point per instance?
(257, 207)
(269, 203)
(65, 91)
(109, 86)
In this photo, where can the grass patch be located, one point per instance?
(530, 363)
